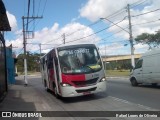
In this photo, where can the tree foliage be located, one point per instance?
(153, 40)
(33, 62)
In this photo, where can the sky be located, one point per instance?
(80, 21)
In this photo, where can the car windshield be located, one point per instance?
(79, 60)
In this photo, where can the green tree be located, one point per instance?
(33, 62)
(152, 40)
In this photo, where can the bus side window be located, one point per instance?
(56, 60)
(50, 61)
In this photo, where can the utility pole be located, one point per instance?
(130, 34)
(64, 38)
(131, 37)
(24, 43)
(40, 49)
(105, 61)
(40, 57)
(25, 61)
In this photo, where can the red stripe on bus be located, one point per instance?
(68, 78)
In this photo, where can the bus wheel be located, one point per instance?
(56, 93)
(45, 85)
(134, 82)
(154, 84)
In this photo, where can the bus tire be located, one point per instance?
(45, 85)
(56, 93)
(154, 84)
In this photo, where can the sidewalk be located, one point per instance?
(15, 98)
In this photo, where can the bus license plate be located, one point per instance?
(86, 93)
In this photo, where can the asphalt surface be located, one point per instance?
(35, 98)
(146, 95)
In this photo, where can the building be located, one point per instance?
(120, 62)
(4, 26)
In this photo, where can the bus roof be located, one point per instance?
(72, 44)
(67, 45)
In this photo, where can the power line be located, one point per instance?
(44, 7)
(114, 41)
(38, 7)
(112, 15)
(112, 34)
(69, 34)
(137, 3)
(145, 13)
(28, 14)
(146, 22)
(127, 27)
(21, 50)
(69, 41)
(38, 44)
(91, 25)
(95, 32)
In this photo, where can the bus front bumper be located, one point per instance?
(71, 91)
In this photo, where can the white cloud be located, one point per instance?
(93, 10)
(17, 44)
(74, 32)
(112, 49)
(96, 9)
(12, 21)
(141, 46)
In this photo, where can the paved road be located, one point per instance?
(35, 98)
(146, 95)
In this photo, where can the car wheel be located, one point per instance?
(134, 82)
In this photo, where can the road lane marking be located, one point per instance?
(131, 103)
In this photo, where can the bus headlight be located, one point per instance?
(65, 84)
(102, 80)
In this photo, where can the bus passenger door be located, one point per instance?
(45, 79)
(51, 71)
(56, 72)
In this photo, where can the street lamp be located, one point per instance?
(131, 40)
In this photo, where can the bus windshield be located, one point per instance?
(79, 59)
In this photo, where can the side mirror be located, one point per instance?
(131, 69)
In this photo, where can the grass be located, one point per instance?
(116, 73)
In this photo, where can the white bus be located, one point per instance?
(73, 70)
